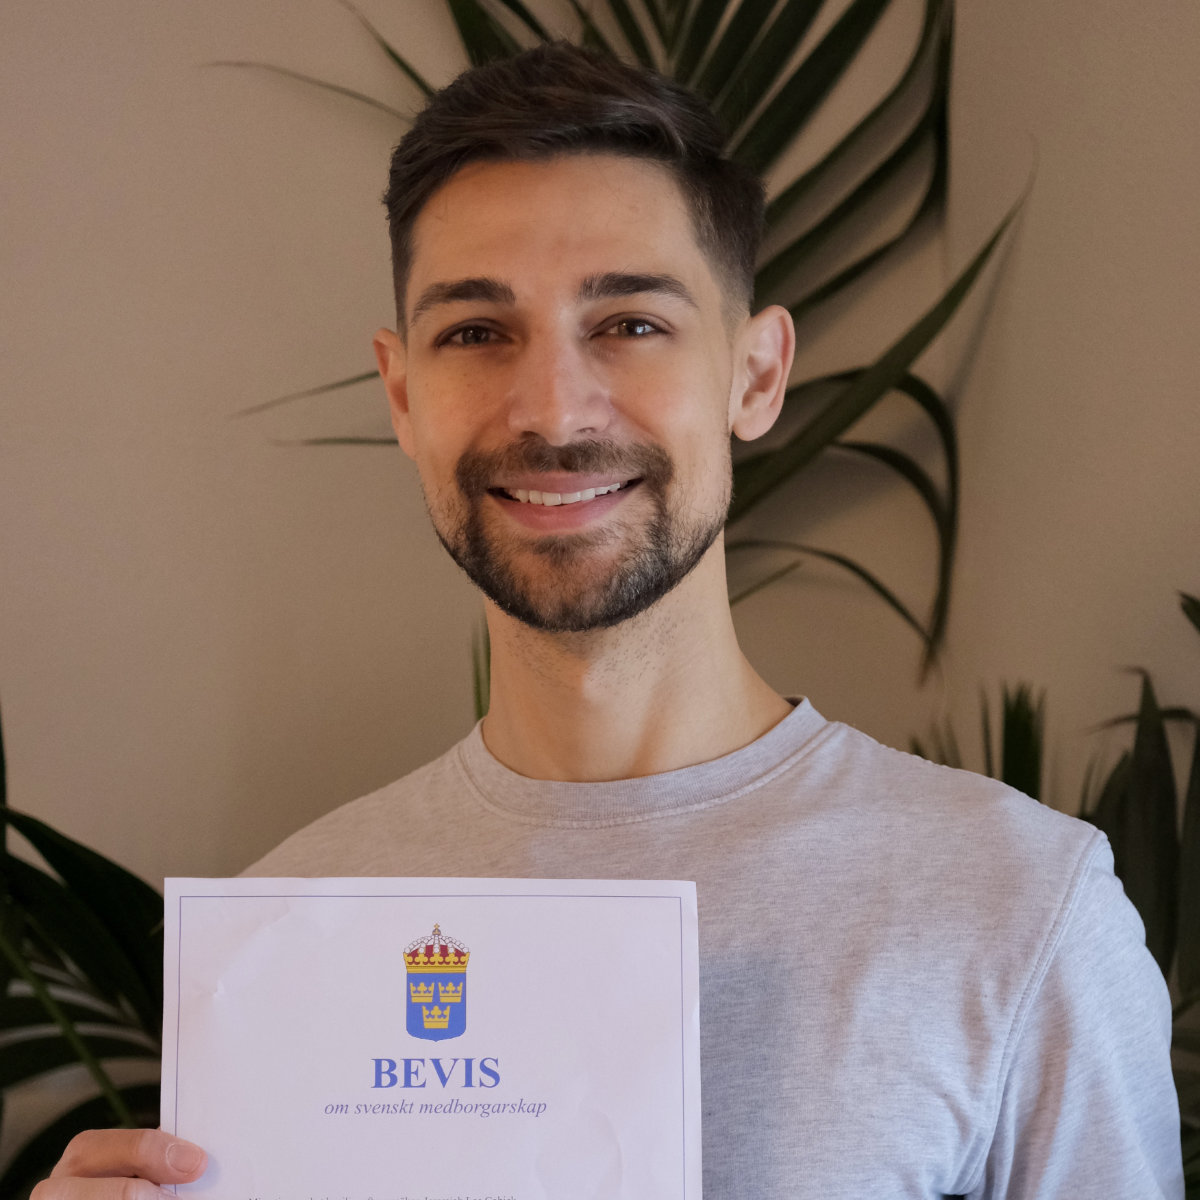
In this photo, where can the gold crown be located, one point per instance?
(436, 953)
(436, 1018)
(448, 993)
(422, 993)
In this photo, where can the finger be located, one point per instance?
(111, 1188)
(131, 1153)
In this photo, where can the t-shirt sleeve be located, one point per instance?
(1087, 1103)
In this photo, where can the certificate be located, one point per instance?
(434, 1039)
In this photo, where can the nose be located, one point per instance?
(557, 392)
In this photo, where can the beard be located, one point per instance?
(593, 579)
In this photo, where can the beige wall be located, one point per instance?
(1081, 412)
(207, 639)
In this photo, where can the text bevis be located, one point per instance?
(412, 1073)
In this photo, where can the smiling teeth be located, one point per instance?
(552, 498)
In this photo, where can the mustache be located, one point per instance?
(478, 470)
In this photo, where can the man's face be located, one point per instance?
(565, 385)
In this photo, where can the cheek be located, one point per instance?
(436, 456)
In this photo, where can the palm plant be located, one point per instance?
(1138, 806)
(1022, 723)
(80, 983)
(741, 55)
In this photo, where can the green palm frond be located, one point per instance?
(80, 977)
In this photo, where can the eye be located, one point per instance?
(632, 327)
(468, 335)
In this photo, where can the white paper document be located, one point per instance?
(434, 1039)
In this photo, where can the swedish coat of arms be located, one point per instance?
(436, 1006)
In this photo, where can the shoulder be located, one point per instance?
(958, 820)
(1086, 1102)
(1015, 915)
(956, 867)
(365, 836)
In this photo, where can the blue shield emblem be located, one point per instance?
(436, 983)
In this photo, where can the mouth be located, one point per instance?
(547, 499)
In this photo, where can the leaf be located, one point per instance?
(593, 37)
(939, 413)
(12, 930)
(1174, 713)
(20, 1012)
(314, 82)
(943, 746)
(1022, 732)
(482, 36)
(481, 668)
(841, 560)
(341, 441)
(948, 749)
(773, 130)
(757, 71)
(931, 127)
(1191, 609)
(631, 31)
(776, 271)
(1187, 1083)
(130, 909)
(859, 267)
(757, 477)
(30, 1057)
(1188, 935)
(320, 390)
(1185, 1034)
(527, 19)
(389, 50)
(1104, 815)
(67, 1035)
(657, 18)
(697, 37)
(852, 143)
(69, 925)
(38, 1156)
(985, 714)
(675, 11)
(943, 421)
(766, 581)
(908, 469)
(1191, 1163)
(944, 513)
(1145, 844)
(743, 30)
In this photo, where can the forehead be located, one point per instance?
(573, 215)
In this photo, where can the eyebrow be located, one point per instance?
(608, 286)
(476, 288)
(614, 284)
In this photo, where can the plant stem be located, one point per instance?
(68, 1030)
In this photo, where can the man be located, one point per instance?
(914, 982)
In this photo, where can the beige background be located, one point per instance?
(208, 638)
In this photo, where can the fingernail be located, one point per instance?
(184, 1157)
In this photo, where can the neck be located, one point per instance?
(666, 689)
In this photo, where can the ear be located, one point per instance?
(766, 345)
(392, 358)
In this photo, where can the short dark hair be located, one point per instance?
(560, 99)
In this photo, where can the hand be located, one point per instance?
(121, 1164)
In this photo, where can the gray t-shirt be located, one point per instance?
(914, 981)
